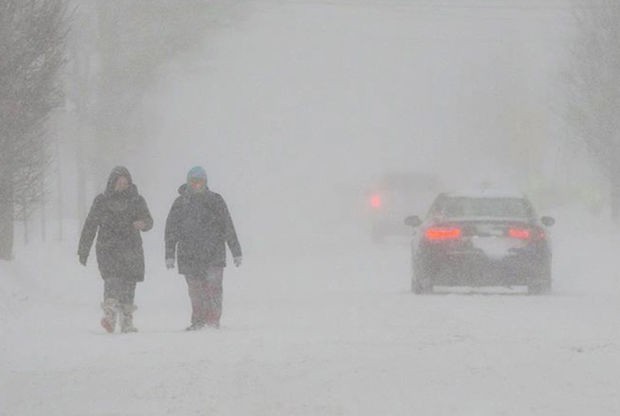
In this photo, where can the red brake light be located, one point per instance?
(519, 233)
(375, 201)
(443, 233)
(526, 233)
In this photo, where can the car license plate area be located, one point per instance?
(489, 230)
(495, 248)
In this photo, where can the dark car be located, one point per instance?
(481, 239)
(394, 195)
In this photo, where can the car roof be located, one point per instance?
(486, 193)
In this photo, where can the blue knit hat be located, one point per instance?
(197, 172)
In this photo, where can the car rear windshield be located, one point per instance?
(484, 207)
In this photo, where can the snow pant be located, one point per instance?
(205, 294)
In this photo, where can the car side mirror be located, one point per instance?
(413, 221)
(547, 221)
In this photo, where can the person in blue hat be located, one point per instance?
(198, 228)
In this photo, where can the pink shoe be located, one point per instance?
(107, 325)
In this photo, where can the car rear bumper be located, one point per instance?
(473, 269)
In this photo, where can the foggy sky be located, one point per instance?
(295, 107)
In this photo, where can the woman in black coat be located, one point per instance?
(117, 216)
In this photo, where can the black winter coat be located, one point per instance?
(198, 228)
(119, 244)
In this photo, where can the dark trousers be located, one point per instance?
(205, 293)
(123, 291)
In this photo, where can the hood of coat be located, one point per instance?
(114, 175)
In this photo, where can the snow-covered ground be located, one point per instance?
(291, 108)
(330, 330)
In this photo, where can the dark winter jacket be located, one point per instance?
(119, 244)
(197, 229)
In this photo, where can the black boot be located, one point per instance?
(195, 326)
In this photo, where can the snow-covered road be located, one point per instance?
(289, 107)
(320, 333)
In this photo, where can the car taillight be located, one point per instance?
(443, 233)
(375, 201)
(526, 233)
(519, 233)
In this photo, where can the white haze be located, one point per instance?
(293, 107)
(302, 102)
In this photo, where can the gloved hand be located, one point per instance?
(237, 260)
(169, 263)
(83, 260)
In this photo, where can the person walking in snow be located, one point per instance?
(117, 217)
(198, 228)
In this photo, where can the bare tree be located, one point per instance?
(32, 34)
(594, 89)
